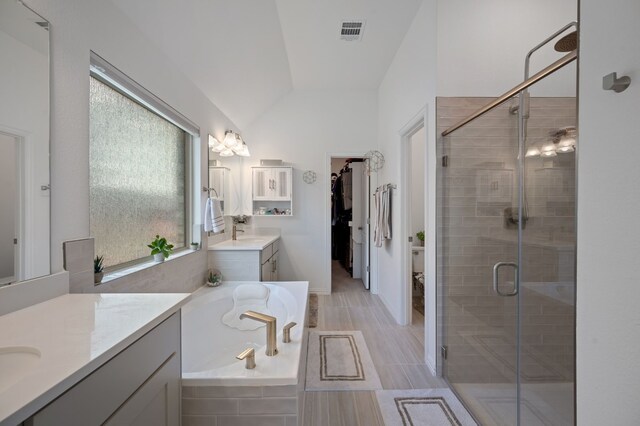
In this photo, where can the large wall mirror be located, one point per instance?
(24, 144)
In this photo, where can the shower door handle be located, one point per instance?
(496, 269)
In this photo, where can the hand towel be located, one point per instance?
(213, 219)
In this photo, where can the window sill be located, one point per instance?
(114, 275)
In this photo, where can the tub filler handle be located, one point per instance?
(286, 332)
(249, 355)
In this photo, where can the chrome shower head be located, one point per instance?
(567, 43)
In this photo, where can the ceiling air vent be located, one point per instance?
(351, 30)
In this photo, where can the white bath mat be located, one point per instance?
(340, 360)
(247, 297)
(428, 407)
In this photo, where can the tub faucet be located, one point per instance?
(234, 232)
(272, 348)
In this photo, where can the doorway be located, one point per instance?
(349, 222)
(417, 228)
(10, 209)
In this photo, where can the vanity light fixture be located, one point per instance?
(532, 151)
(232, 144)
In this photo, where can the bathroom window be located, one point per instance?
(140, 157)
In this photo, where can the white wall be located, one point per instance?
(608, 317)
(302, 130)
(78, 26)
(408, 86)
(482, 45)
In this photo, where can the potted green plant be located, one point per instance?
(214, 278)
(98, 269)
(420, 236)
(194, 245)
(160, 249)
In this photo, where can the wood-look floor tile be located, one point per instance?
(316, 409)
(367, 409)
(421, 378)
(396, 351)
(392, 376)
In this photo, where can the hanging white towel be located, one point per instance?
(213, 219)
(386, 194)
(382, 215)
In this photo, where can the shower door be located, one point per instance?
(477, 256)
(506, 254)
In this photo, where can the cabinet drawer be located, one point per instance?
(94, 399)
(276, 246)
(157, 402)
(266, 254)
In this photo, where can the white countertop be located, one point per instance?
(245, 242)
(75, 334)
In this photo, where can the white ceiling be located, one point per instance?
(320, 60)
(246, 54)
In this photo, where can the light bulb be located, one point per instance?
(532, 152)
(565, 149)
(230, 140)
(244, 152)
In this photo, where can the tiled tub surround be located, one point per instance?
(474, 189)
(217, 388)
(185, 273)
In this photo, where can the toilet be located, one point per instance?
(417, 259)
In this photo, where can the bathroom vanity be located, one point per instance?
(249, 258)
(83, 359)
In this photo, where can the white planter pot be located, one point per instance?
(159, 257)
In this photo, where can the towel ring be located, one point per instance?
(205, 189)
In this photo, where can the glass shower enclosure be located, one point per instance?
(506, 242)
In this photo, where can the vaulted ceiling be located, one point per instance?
(247, 54)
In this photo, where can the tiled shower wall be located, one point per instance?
(474, 189)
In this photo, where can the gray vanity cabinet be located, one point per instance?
(139, 386)
(247, 265)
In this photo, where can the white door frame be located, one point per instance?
(421, 119)
(373, 284)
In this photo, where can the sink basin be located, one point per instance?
(15, 363)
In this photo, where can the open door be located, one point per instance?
(359, 225)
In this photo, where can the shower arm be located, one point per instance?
(543, 43)
(524, 115)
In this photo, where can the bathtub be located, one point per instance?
(209, 347)
(562, 291)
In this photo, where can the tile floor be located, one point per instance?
(397, 352)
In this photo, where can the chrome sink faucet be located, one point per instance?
(234, 232)
(272, 348)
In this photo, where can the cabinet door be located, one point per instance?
(157, 402)
(274, 267)
(262, 184)
(265, 271)
(282, 183)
